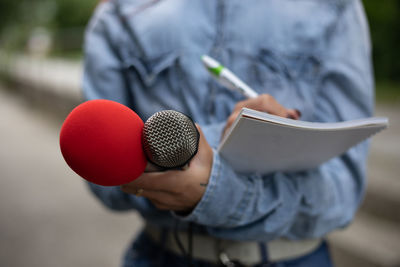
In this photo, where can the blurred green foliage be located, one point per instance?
(63, 20)
(388, 92)
(73, 13)
(384, 21)
(58, 13)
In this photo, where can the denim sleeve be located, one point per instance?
(313, 202)
(103, 79)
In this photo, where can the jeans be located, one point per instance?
(144, 252)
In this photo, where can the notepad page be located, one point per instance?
(258, 145)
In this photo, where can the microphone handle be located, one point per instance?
(153, 168)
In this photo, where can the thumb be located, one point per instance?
(204, 152)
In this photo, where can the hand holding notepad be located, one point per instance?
(263, 143)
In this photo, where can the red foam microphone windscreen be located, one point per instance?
(101, 141)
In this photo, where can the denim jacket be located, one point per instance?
(310, 55)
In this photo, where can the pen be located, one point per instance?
(226, 78)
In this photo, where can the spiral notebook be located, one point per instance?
(262, 143)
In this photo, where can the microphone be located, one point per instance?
(101, 140)
(170, 139)
(108, 144)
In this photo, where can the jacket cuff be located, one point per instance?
(224, 200)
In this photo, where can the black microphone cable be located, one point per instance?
(189, 254)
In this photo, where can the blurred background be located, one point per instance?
(48, 218)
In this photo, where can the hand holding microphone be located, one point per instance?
(178, 190)
(101, 140)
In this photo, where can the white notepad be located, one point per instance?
(262, 143)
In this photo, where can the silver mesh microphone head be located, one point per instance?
(170, 139)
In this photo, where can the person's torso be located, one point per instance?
(274, 46)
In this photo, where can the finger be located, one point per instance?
(204, 153)
(161, 196)
(130, 189)
(164, 199)
(159, 181)
(268, 104)
(244, 103)
(150, 167)
(163, 206)
(293, 114)
(231, 119)
(265, 103)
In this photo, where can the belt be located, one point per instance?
(215, 250)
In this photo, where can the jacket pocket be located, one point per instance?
(149, 70)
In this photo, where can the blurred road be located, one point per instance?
(48, 217)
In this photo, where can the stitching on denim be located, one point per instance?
(209, 191)
(243, 203)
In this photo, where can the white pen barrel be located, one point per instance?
(237, 84)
